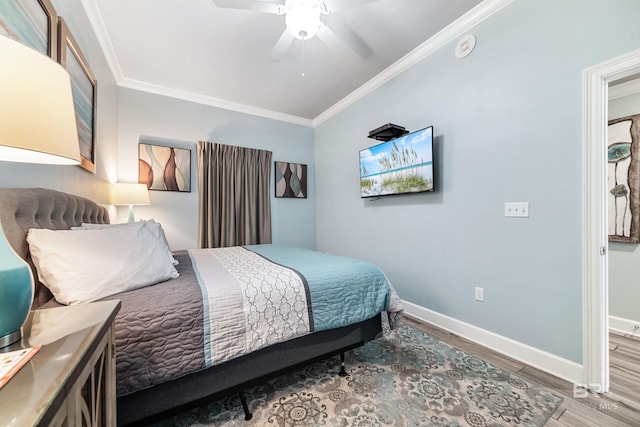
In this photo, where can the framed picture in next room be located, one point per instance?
(623, 179)
(164, 168)
(291, 180)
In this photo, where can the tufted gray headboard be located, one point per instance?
(25, 208)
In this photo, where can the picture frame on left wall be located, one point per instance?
(84, 88)
(31, 22)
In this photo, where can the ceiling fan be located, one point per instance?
(302, 19)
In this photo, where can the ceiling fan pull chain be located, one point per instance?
(303, 56)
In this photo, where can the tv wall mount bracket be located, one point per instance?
(387, 132)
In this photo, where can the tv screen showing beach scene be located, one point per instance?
(399, 166)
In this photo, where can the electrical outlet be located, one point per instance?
(479, 294)
(516, 209)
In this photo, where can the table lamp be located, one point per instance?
(37, 125)
(130, 194)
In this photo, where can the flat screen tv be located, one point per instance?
(401, 165)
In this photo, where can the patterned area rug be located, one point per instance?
(405, 378)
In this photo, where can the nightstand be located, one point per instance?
(71, 381)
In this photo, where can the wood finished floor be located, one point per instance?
(619, 407)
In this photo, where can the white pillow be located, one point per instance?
(154, 226)
(85, 266)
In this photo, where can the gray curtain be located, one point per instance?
(235, 203)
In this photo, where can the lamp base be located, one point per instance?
(131, 216)
(9, 339)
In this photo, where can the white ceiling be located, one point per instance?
(195, 50)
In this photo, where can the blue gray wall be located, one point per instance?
(507, 128)
(172, 122)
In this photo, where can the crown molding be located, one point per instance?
(97, 23)
(212, 101)
(444, 36)
(449, 33)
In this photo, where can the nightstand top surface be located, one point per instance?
(67, 335)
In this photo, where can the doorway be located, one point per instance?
(595, 301)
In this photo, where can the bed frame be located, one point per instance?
(22, 209)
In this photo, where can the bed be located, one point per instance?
(181, 341)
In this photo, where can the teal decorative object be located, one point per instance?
(16, 292)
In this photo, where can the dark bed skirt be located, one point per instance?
(233, 376)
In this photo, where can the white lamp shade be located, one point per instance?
(37, 117)
(130, 194)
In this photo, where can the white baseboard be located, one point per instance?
(624, 326)
(562, 368)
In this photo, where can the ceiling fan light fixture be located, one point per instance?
(303, 18)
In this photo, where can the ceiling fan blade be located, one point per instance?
(342, 36)
(276, 7)
(331, 39)
(282, 45)
(338, 5)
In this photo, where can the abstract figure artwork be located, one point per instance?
(164, 168)
(291, 180)
(623, 175)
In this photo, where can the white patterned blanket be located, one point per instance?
(249, 302)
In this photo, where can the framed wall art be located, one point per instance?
(31, 22)
(84, 88)
(623, 179)
(164, 168)
(291, 180)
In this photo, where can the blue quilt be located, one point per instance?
(343, 290)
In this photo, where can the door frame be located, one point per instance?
(595, 284)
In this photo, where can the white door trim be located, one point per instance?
(594, 215)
